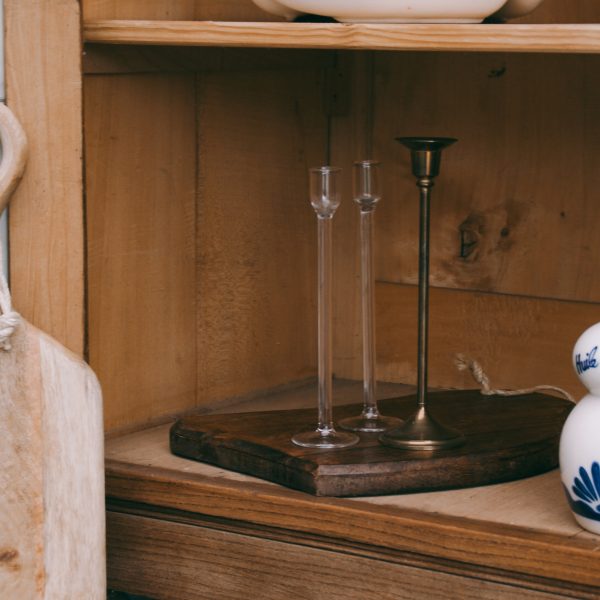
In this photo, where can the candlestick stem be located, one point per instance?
(421, 431)
(324, 326)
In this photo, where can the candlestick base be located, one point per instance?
(422, 432)
(325, 439)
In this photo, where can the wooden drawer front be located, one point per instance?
(173, 561)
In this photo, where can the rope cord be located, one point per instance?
(12, 166)
(9, 319)
(464, 363)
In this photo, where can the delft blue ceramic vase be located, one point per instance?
(580, 439)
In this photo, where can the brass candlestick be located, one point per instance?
(421, 431)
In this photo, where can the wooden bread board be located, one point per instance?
(507, 438)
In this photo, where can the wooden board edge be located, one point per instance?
(232, 452)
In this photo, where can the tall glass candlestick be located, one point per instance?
(325, 199)
(367, 194)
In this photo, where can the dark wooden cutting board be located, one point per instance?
(506, 438)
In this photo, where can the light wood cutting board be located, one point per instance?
(52, 534)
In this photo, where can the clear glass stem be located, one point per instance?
(325, 325)
(368, 314)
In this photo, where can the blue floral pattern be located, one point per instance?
(586, 489)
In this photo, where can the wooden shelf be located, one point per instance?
(468, 38)
(520, 532)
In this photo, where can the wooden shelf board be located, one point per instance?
(523, 526)
(580, 38)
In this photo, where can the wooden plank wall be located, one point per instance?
(518, 189)
(521, 183)
(201, 249)
(140, 172)
(206, 10)
(259, 131)
(43, 77)
(514, 213)
(225, 565)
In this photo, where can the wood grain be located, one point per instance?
(526, 431)
(510, 527)
(520, 342)
(141, 169)
(104, 58)
(22, 572)
(43, 47)
(226, 566)
(251, 239)
(205, 10)
(513, 210)
(73, 475)
(530, 503)
(522, 551)
(346, 99)
(51, 465)
(580, 38)
(52, 458)
(258, 133)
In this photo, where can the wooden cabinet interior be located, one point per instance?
(201, 242)
(195, 283)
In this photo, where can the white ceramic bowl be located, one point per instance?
(517, 8)
(277, 8)
(401, 11)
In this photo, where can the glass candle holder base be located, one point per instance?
(325, 439)
(365, 424)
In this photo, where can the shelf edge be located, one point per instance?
(470, 38)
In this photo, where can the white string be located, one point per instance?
(9, 319)
(464, 363)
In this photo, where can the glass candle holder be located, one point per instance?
(325, 198)
(367, 194)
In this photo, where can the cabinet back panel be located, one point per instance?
(258, 133)
(140, 158)
(515, 209)
(209, 168)
(201, 240)
(520, 342)
(205, 10)
(522, 183)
